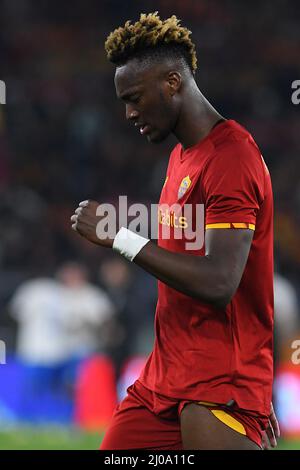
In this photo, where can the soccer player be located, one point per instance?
(208, 382)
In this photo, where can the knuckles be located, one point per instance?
(84, 215)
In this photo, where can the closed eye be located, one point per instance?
(135, 99)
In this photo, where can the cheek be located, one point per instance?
(158, 109)
(163, 114)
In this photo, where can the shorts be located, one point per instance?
(147, 420)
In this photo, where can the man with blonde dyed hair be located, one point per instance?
(208, 382)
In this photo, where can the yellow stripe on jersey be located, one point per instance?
(231, 225)
(243, 225)
(218, 225)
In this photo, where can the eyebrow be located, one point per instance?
(127, 95)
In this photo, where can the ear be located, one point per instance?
(174, 81)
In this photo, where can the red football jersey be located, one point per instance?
(201, 352)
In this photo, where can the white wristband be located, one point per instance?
(128, 243)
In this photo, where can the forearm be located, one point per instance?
(200, 277)
(212, 278)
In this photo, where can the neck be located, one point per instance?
(196, 119)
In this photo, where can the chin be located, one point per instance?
(156, 137)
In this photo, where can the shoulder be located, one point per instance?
(37, 286)
(235, 140)
(236, 151)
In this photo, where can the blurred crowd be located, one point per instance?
(64, 138)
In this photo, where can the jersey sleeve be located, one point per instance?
(233, 183)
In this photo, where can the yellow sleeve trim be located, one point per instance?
(231, 225)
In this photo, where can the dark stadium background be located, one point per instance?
(64, 138)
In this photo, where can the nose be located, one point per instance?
(131, 113)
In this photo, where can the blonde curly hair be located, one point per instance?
(151, 35)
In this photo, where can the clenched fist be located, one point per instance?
(85, 221)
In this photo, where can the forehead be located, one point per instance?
(134, 75)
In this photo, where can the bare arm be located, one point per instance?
(212, 278)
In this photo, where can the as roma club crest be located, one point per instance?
(184, 186)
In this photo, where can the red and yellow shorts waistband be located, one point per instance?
(236, 419)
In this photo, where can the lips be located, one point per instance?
(144, 128)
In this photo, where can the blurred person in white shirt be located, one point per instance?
(60, 322)
(88, 311)
(62, 318)
(286, 311)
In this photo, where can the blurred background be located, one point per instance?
(76, 321)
